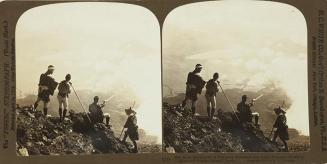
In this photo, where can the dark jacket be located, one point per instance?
(245, 112)
(131, 122)
(131, 125)
(196, 80)
(96, 112)
(46, 80)
(282, 128)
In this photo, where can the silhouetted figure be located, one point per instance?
(132, 128)
(63, 94)
(194, 86)
(96, 113)
(280, 127)
(211, 93)
(245, 113)
(46, 87)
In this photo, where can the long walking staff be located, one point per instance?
(122, 131)
(271, 132)
(125, 123)
(229, 102)
(80, 102)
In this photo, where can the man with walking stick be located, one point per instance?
(280, 127)
(63, 94)
(211, 93)
(132, 128)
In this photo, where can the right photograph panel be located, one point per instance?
(235, 78)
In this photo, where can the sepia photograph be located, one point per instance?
(88, 80)
(235, 78)
(155, 81)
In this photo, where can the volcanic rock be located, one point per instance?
(39, 135)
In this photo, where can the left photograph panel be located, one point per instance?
(88, 80)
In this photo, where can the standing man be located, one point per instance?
(211, 93)
(194, 86)
(280, 127)
(131, 125)
(245, 112)
(64, 91)
(96, 113)
(46, 87)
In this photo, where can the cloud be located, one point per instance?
(253, 42)
(106, 47)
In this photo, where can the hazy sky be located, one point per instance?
(105, 47)
(251, 41)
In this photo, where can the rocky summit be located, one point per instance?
(39, 135)
(186, 133)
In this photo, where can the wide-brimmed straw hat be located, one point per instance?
(279, 110)
(130, 111)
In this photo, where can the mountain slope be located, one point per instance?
(185, 133)
(37, 135)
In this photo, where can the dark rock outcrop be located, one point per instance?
(186, 133)
(37, 135)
